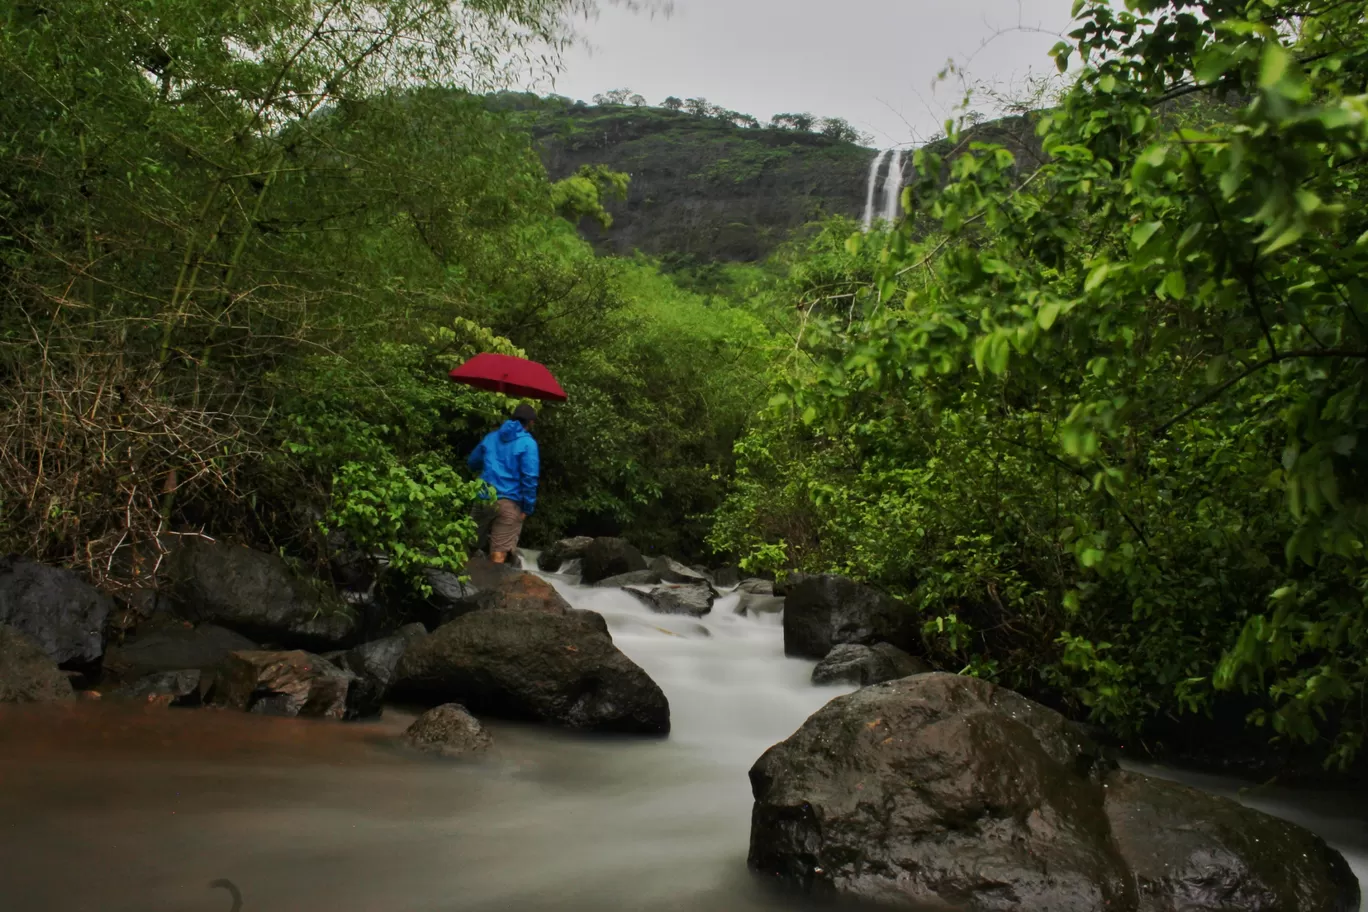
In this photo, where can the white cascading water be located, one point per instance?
(874, 168)
(322, 817)
(893, 185)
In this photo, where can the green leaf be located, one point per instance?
(1096, 276)
(1274, 67)
(1048, 313)
(1141, 233)
(1175, 285)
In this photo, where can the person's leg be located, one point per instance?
(503, 534)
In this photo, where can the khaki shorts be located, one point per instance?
(503, 534)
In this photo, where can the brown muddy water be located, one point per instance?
(109, 809)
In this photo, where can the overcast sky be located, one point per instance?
(873, 62)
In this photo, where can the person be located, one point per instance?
(509, 461)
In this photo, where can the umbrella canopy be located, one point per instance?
(511, 376)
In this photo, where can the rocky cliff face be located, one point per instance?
(701, 187)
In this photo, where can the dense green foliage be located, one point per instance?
(1101, 418)
(240, 250)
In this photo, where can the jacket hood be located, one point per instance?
(510, 430)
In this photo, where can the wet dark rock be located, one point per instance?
(606, 557)
(940, 791)
(855, 663)
(756, 587)
(757, 597)
(291, 683)
(783, 586)
(1191, 850)
(55, 608)
(448, 731)
(374, 665)
(562, 552)
(257, 595)
(694, 599)
(524, 592)
(174, 647)
(825, 611)
(452, 598)
(27, 673)
(635, 578)
(168, 688)
(726, 577)
(671, 571)
(557, 668)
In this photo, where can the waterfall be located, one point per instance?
(874, 168)
(890, 204)
(893, 185)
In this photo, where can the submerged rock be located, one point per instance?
(27, 673)
(825, 611)
(257, 595)
(562, 552)
(374, 665)
(695, 600)
(940, 791)
(855, 663)
(168, 688)
(606, 557)
(556, 668)
(291, 683)
(56, 609)
(448, 731)
(671, 571)
(173, 648)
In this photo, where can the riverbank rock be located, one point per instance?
(257, 595)
(173, 647)
(374, 665)
(941, 791)
(757, 597)
(560, 669)
(855, 663)
(55, 608)
(452, 598)
(694, 600)
(562, 552)
(166, 688)
(291, 683)
(726, 577)
(1191, 850)
(448, 731)
(623, 580)
(825, 611)
(606, 557)
(27, 673)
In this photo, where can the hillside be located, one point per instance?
(701, 187)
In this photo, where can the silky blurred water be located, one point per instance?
(115, 810)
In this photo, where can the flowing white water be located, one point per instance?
(101, 812)
(874, 167)
(893, 185)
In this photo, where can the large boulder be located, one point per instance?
(452, 596)
(257, 595)
(55, 608)
(171, 648)
(556, 668)
(562, 552)
(607, 557)
(726, 577)
(855, 663)
(694, 600)
(27, 673)
(825, 611)
(448, 731)
(1190, 850)
(941, 791)
(291, 683)
(623, 580)
(374, 665)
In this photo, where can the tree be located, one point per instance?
(637, 101)
(841, 129)
(801, 122)
(699, 107)
(672, 104)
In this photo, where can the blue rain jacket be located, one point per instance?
(509, 461)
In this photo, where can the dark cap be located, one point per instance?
(525, 413)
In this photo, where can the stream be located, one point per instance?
(110, 809)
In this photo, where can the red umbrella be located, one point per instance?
(511, 376)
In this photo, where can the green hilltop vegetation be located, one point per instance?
(706, 184)
(1095, 413)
